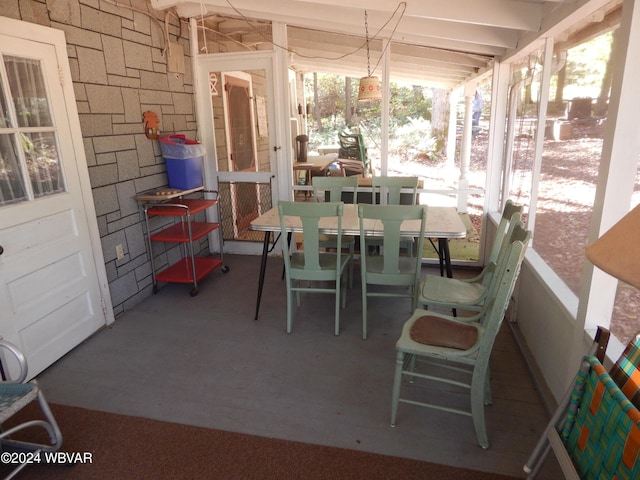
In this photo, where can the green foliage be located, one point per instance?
(586, 65)
(414, 137)
(409, 107)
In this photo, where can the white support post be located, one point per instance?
(465, 148)
(617, 174)
(453, 127)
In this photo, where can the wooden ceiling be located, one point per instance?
(439, 43)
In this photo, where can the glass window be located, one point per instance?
(28, 144)
(572, 149)
(12, 187)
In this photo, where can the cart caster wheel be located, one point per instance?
(225, 269)
(194, 292)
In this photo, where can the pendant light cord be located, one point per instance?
(366, 31)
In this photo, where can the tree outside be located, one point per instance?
(335, 107)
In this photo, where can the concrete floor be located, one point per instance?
(205, 361)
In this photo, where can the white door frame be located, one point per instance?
(279, 130)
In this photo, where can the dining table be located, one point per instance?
(443, 223)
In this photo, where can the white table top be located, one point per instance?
(442, 222)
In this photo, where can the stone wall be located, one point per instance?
(119, 69)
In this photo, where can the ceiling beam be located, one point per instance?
(351, 21)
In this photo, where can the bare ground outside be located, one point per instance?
(565, 199)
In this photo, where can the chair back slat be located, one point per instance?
(309, 214)
(517, 232)
(334, 186)
(389, 189)
(510, 213)
(391, 217)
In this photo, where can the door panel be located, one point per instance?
(49, 288)
(239, 119)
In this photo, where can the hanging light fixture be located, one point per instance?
(370, 88)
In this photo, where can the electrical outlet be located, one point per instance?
(119, 252)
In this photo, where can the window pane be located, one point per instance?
(572, 150)
(27, 89)
(43, 163)
(5, 120)
(522, 107)
(12, 188)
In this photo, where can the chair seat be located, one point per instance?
(450, 291)
(14, 396)
(407, 344)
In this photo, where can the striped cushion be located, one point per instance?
(603, 437)
(626, 371)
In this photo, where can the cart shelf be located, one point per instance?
(180, 232)
(185, 230)
(181, 271)
(182, 207)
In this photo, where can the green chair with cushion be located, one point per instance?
(310, 270)
(401, 273)
(441, 348)
(331, 189)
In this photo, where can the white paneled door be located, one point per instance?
(53, 292)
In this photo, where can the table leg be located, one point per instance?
(263, 268)
(445, 255)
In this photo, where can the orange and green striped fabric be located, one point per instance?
(626, 371)
(602, 435)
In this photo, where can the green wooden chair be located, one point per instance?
(389, 268)
(352, 147)
(310, 270)
(388, 190)
(470, 293)
(459, 350)
(331, 189)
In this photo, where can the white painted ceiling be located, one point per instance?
(442, 43)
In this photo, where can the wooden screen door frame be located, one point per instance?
(240, 121)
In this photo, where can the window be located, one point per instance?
(29, 161)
